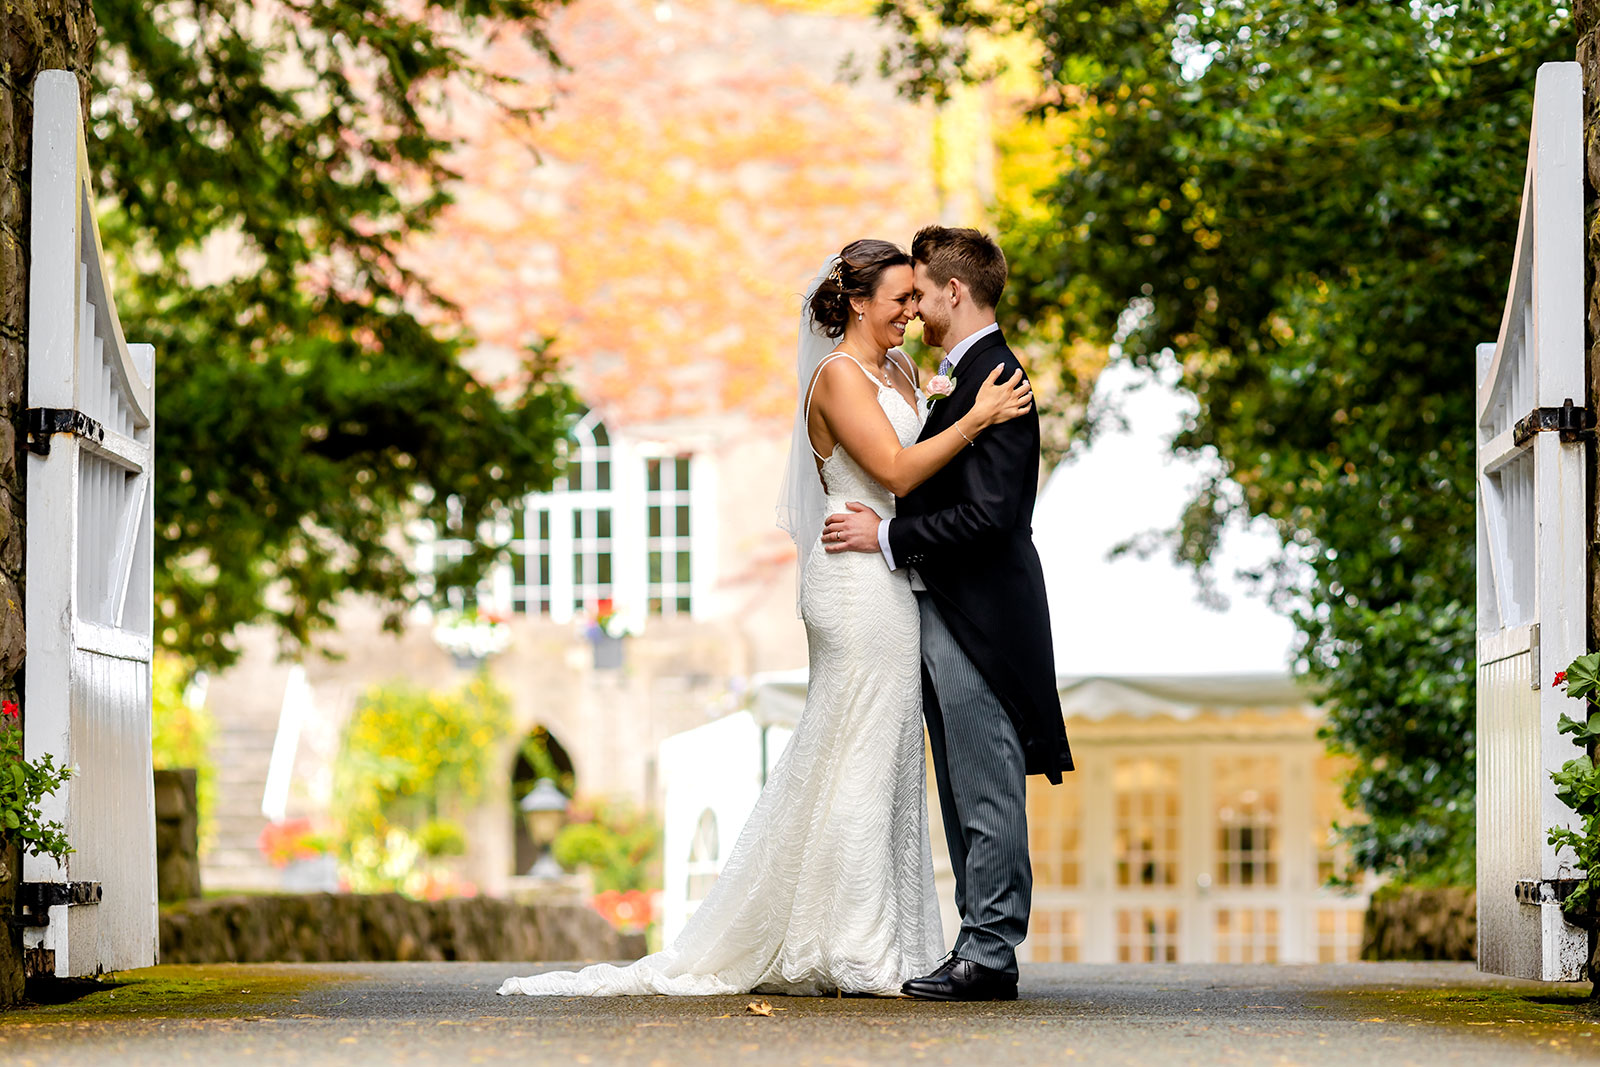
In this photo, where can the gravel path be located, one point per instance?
(448, 1014)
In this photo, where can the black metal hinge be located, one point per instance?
(1568, 420)
(44, 423)
(1548, 891)
(35, 899)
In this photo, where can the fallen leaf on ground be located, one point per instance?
(760, 1007)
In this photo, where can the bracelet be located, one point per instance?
(963, 433)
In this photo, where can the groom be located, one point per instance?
(988, 672)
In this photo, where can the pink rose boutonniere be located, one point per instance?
(939, 387)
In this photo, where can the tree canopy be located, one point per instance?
(1310, 205)
(260, 167)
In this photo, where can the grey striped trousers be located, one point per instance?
(978, 763)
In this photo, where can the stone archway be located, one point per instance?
(540, 755)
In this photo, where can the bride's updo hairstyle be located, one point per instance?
(857, 273)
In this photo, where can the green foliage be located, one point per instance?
(1310, 206)
(23, 784)
(1578, 781)
(312, 395)
(620, 845)
(181, 734)
(536, 750)
(406, 756)
(441, 837)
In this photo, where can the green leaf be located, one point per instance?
(1583, 676)
(1585, 731)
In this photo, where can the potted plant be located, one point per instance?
(305, 856)
(605, 630)
(23, 784)
(471, 636)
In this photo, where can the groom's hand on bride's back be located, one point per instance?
(855, 530)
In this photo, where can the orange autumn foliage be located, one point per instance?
(698, 162)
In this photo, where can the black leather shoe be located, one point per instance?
(962, 979)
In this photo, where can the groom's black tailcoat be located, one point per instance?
(968, 532)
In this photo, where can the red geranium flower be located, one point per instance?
(9, 709)
(1561, 678)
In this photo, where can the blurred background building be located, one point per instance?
(659, 227)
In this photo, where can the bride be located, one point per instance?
(830, 886)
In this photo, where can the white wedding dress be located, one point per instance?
(830, 886)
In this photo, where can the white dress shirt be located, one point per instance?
(954, 356)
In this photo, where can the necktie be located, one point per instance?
(945, 366)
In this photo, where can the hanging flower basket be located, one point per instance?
(471, 636)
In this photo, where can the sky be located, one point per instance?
(1132, 616)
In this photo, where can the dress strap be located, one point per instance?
(895, 359)
(812, 388)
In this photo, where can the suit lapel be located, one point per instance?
(974, 367)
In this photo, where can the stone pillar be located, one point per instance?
(1586, 19)
(35, 35)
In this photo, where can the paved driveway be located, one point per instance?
(448, 1014)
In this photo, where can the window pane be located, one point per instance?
(600, 436)
(683, 568)
(602, 474)
(544, 525)
(1144, 824)
(655, 567)
(682, 472)
(544, 568)
(519, 523)
(683, 605)
(653, 475)
(683, 520)
(602, 520)
(577, 525)
(655, 522)
(575, 471)
(1246, 814)
(655, 605)
(577, 568)
(603, 568)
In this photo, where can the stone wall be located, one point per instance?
(331, 927)
(1415, 923)
(35, 35)
(1586, 18)
(177, 835)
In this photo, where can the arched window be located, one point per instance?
(703, 855)
(562, 542)
(615, 531)
(589, 491)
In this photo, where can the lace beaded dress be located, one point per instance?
(830, 886)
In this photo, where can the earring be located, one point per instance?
(860, 315)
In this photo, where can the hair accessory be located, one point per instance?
(836, 275)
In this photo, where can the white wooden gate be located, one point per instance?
(89, 541)
(1532, 592)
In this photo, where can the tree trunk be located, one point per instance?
(35, 35)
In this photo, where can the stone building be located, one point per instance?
(689, 180)
(698, 163)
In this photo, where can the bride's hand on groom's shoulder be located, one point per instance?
(854, 530)
(999, 401)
